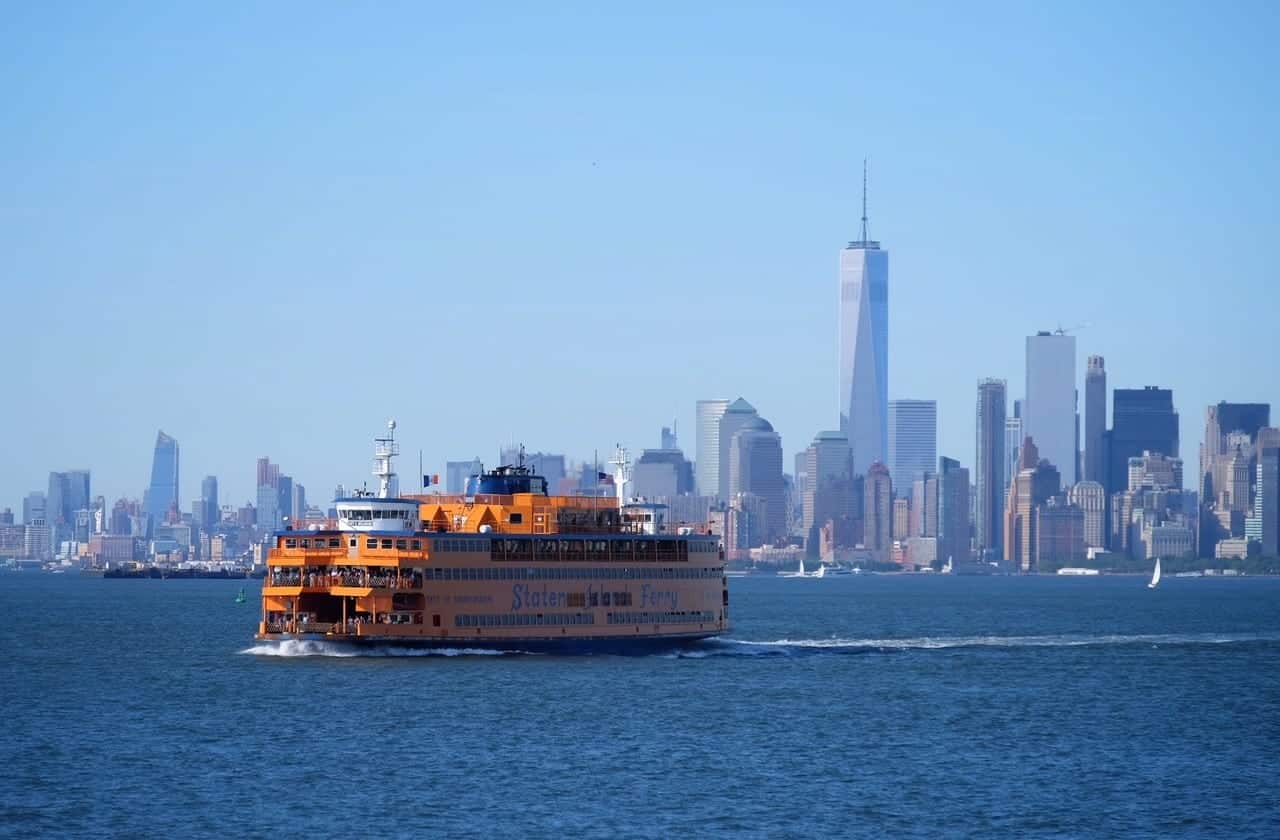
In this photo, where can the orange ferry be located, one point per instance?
(504, 566)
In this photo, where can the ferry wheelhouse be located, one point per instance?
(505, 565)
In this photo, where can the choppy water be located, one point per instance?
(869, 706)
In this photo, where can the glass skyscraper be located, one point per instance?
(1049, 409)
(913, 441)
(1142, 420)
(706, 468)
(209, 502)
(864, 349)
(162, 493)
(989, 464)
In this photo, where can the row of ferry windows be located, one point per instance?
(661, 617)
(571, 573)
(516, 620)
(552, 548)
(335, 542)
(545, 550)
(408, 515)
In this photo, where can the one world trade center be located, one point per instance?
(864, 346)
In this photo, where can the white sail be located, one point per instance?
(822, 570)
(1155, 576)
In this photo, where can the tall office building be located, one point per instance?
(1095, 420)
(57, 511)
(1036, 481)
(299, 501)
(284, 497)
(864, 346)
(68, 495)
(989, 464)
(953, 512)
(1012, 447)
(924, 506)
(877, 516)
(268, 473)
(913, 440)
(755, 469)
(1266, 501)
(1049, 409)
(1091, 498)
(828, 492)
(34, 508)
(550, 466)
(707, 452)
(268, 513)
(735, 416)
(161, 494)
(1143, 420)
(456, 474)
(662, 473)
(1059, 535)
(209, 510)
(902, 518)
(1220, 422)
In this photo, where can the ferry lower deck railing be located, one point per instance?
(323, 577)
(352, 626)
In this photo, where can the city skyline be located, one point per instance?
(990, 221)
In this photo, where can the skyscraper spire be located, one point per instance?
(864, 200)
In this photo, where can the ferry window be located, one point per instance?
(402, 544)
(353, 542)
(386, 543)
(415, 544)
(306, 543)
(334, 542)
(516, 518)
(291, 543)
(370, 543)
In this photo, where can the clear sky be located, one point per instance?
(267, 227)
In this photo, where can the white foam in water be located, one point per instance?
(311, 647)
(783, 647)
(790, 647)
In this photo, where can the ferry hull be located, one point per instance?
(574, 646)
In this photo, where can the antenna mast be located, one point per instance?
(864, 201)
(384, 449)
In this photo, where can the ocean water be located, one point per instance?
(866, 706)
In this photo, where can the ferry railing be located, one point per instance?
(327, 577)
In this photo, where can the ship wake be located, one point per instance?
(293, 648)
(837, 646)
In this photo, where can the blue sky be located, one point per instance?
(265, 228)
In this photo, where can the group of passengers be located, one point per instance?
(287, 622)
(379, 578)
(384, 618)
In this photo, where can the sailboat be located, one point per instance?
(1155, 576)
(822, 570)
(240, 599)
